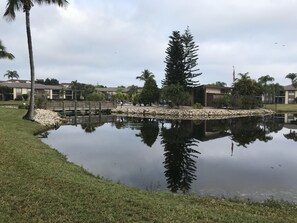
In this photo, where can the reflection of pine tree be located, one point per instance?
(149, 131)
(179, 156)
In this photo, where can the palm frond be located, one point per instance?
(60, 3)
(11, 7)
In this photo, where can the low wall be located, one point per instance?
(188, 113)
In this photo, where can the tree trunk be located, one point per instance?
(30, 113)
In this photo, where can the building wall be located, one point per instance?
(19, 91)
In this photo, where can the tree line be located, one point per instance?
(180, 71)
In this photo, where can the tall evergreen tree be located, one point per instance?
(175, 66)
(190, 58)
(181, 60)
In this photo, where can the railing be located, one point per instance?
(79, 105)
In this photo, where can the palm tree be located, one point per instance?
(263, 81)
(293, 77)
(4, 54)
(220, 84)
(146, 74)
(12, 74)
(244, 76)
(25, 6)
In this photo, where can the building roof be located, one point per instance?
(28, 86)
(290, 88)
(213, 86)
(17, 81)
(111, 89)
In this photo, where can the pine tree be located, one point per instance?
(190, 58)
(181, 60)
(175, 66)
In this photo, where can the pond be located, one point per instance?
(247, 158)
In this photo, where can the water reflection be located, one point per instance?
(149, 131)
(291, 135)
(201, 156)
(179, 155)
(247, 130)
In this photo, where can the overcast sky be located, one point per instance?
(111, 42)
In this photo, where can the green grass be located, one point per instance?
(282, 107)
(11, 103)
(39, 185)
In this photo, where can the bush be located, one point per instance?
(23, 106)
(197, 106)
(40, 101)
(136, 99)
(95, 96)
(176, 94)
(25, 96)
(19, 98)
(249, 102)
(222, 102)
(246, 102)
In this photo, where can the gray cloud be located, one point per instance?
(111, 42)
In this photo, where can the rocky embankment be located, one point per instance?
(48, 118)
(188, 113)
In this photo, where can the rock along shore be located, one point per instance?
(48, 118)
(188, 112)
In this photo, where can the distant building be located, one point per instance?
(109, 91)
(290, 94)
(21, 87)
(205, 94)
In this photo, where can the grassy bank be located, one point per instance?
(11, 103)
(282, 107)
(38, 185)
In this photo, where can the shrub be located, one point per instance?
(25, 96)
(197, 106)
(95, 96)
(221, 102)
(23, 106)
(40, 101)
(176, 95)
(19, 98)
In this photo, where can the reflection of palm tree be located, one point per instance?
(90, 126)
(149, 131)
(292, 135)
(247, 130)
(179, 155)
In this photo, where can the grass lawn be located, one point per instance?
(39, 185)
(282, 107)
(12, 103)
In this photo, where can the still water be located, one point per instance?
(248, 158)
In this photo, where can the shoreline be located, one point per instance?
(53, 119)
(41, 184)
(188, 113)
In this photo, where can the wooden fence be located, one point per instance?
(79, 106)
